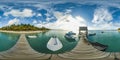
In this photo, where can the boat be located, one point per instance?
(70, 36)
(99, 46)
(102, 32)
(92, 34)
(32, 36)
(54, 44)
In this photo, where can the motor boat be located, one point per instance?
(54, 44)
(92, 34)
(32, 36)
(102, 32)
(70, 36)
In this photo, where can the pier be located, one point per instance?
(83, 51)
(22, 50)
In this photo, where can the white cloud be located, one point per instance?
(49, 18)
(102, 15)
(58, 15)
(68, 11)
(65, 22)
(34, 21)
(102, 19)
(14, 21)
(18, 13)
(39, 14)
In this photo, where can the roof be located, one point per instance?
(83, 28)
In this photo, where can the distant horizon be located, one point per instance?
(67, 30)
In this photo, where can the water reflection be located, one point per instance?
(7, 40)
(39, 43)
(109, 38)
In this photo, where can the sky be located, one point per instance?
(63, 14)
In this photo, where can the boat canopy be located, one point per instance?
(54, 44)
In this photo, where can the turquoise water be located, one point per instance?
(110, 38)
(7, 40)
(39, 43)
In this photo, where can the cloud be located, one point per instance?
(39, 14)
(65, 22)
(102, 15)
(47, 14)
(14, 21)
(58, 15)
(24, 1)
(18, 13)
(49, 18)
(102, 19)
(68, 11)
(34, 21)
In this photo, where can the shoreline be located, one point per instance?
(20, 32)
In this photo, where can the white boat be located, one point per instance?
(54, 44)
(70, 36)
(32, 36)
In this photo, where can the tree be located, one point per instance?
(22, 27)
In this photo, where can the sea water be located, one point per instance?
(40, 43)
(108, 37)
(7, 40)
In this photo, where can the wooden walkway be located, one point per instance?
(83, 51)
(22, 50)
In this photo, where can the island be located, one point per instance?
(23, 28)
(119, 29)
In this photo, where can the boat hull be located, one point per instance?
(70, 39)
(54, 44)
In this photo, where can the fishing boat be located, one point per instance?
(54, 44)
(70, 36)
(32, 36)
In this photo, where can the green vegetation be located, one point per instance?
(118, 29)
(23, 27)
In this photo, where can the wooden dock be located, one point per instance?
(22, 50)
(83, 51)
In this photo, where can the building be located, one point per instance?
(83, 29)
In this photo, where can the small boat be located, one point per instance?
(92, 34)
(54, 44)
(32, 36)
(70, 36)
(99, 46)
(102, 32)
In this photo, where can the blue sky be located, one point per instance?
(63, 14)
